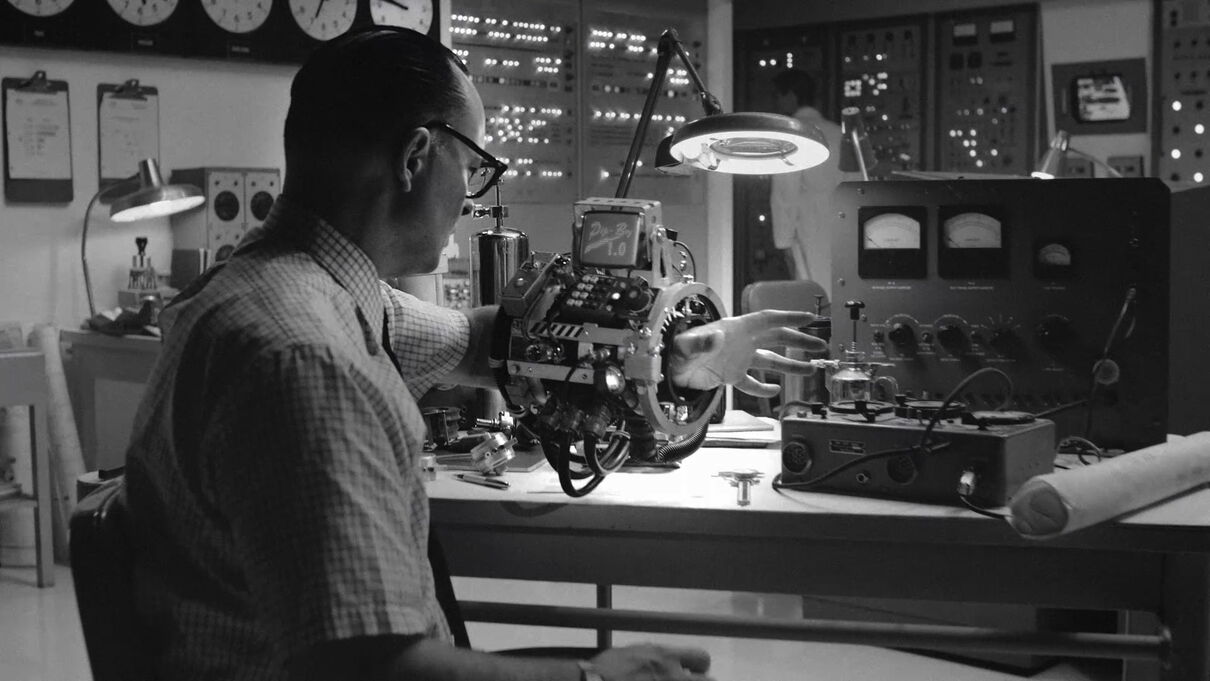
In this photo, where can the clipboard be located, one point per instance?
(128, 129)
(37, 135)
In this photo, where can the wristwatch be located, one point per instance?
(589, 672)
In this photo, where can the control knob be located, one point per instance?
(1004, 341)
(951, 337)
(1054, 332)
(901, 334)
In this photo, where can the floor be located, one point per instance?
(40, 637)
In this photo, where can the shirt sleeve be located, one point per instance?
(429, 340)
(304, 472)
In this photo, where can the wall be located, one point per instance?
(211, 113)
(1093, 30)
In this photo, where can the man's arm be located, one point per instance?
(474, 369)
(718, 353)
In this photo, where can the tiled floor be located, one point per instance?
(40, 638)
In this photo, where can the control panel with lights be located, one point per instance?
(1042, 280)
(986, 72)
(523, 63)
(1182, 55)
(620, 58)
(882, 74)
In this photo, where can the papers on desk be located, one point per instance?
(741, 429)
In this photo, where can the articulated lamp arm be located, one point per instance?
(669, 43)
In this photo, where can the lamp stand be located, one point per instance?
(92, 310)
(669, 42)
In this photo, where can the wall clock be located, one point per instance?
(144, 12)
(238, 16)
(414, 14)
(323, 19)
(41, 8)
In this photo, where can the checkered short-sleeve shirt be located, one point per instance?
(272, 474)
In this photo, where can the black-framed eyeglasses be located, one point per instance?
(483, 178)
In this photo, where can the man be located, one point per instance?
(799, 203)
(273, 478)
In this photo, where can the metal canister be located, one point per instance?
(495, 256)
(809, 388)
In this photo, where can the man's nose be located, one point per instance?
(467, 206)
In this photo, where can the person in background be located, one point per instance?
(279, 516)
(800, 203)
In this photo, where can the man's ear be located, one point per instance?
(413, 158)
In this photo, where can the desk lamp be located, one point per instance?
(738, 143)
(856, 154)
(142, 196)
(1054, 161)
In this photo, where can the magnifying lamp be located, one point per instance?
(142, 196)
(739, 143)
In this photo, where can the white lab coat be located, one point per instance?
(801, 207)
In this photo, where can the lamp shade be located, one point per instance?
(150, 199)
(1054, 161)
(153, 198)
(749, 144)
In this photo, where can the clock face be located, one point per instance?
(144, 12)
(414, 14)
(238, 16)
(41, 8)
(323, 19)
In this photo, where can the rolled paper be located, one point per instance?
(66, 456)
(1065, 501)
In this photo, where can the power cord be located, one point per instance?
(967, 485)
(953, 394)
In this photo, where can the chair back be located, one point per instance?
(102, 567)
(796, 294)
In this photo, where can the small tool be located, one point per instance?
(476, 479)
(742, 479)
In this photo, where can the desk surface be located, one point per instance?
(692, 501)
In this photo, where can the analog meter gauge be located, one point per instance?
(1053, 259)
(892, 242)
(971, 230)
(891, 230)
(973, 243)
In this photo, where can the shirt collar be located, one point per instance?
(344, 260)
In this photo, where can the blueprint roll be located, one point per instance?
(1065, 501)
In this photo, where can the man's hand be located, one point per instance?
(653, 663)
(722, 352)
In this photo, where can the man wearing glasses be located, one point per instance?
(281, 525)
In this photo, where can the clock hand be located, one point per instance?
(318, 7)
(400, 5)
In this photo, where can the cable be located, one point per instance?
(872, 456)
(685, 250)
(958, 389)
(1061, 408)
(1089, 445)
(983, 511)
